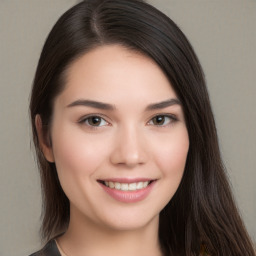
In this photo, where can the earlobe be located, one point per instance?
(44, 142)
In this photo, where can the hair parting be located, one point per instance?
(202, 211)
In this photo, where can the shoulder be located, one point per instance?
(50, 249)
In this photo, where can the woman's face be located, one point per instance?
(119, 139)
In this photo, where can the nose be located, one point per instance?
(129, 148)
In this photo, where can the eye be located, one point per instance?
(162, 120)
(95, 121)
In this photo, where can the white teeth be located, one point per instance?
(139, 185)
(132, 186)
(111, 184)
(124, 186)
(127, 186)
(145, 184)
(118, 185)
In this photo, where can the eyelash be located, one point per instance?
(172, 118)
(85, 120)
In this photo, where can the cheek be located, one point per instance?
(171, 156)
(75, 156)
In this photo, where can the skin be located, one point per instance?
(126, 143)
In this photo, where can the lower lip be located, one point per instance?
(128, 196)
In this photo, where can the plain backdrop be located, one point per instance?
(223, 35)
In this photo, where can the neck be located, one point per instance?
(84, 237)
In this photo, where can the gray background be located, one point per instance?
(224, 36)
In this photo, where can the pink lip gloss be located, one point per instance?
(128, 196)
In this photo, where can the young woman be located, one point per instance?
(126, 140)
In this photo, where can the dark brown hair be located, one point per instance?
(202, 211)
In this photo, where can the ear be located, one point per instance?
(44, 140)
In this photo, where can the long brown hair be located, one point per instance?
(202, 210)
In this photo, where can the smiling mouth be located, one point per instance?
(135, 186)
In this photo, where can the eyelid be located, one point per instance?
(84, 118)
(171, 116)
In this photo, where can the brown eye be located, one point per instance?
(158, 120)
(161, 120)
(95, 121)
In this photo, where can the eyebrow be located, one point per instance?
(106, 106)
(163, 104)
(93, 104)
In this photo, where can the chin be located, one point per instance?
(130, 222)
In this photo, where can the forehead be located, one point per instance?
(114, 73)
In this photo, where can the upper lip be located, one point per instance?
(127, 180)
